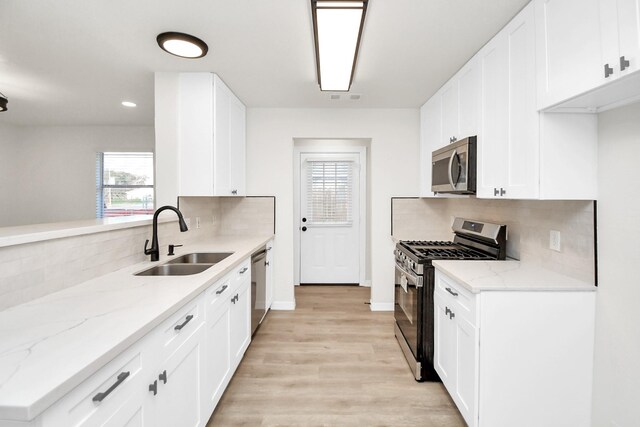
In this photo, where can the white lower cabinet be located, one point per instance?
(515, 358)
(176, 374)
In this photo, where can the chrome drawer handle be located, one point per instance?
(154, 387)
(243, 270)
(121, 377)
(183, 324)
(163, 376)
(451, 292)
(221, 290)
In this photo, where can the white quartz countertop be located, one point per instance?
(479, 276)
(50, 345)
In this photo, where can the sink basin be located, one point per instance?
(174, 270)
(201, 258)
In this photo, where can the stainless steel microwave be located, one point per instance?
(454, 168)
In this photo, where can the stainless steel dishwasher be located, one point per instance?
(258, 288)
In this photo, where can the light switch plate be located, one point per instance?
(554, 240)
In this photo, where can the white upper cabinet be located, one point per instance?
(200, 137)
(568, 49)
(522, 153)
(450, 115)
(588, 52)
(508, 142)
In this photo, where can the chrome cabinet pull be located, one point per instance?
(495, 192)
(266, 263)
(455, 294)
(624, 63)
(183, 324)
(222, 289)
(449, 312)
(234, 299)
(607, 71)
(503, 191)
(121, 377)
(154, 387)
(244, 270)
(269, 248)
(163, 376)
(234, 192)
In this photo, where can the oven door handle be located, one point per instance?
(415, 278)
(453, 155)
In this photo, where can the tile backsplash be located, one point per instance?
(528, 225)
(32, 270)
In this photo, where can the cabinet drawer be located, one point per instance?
(243, 272)
(103, 394)
(216, 293)
(462, 302)
(177, 329)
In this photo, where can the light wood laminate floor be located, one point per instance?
(331, 362)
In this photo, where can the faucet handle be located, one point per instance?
(146, 251)
(171, 247)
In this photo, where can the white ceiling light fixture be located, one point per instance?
(182, 45)
(337, 28)
(129, 104)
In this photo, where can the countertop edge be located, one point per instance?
(572, 285)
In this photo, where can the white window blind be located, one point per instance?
(330, 192)
(124, 184)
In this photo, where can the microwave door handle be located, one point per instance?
(455, 154)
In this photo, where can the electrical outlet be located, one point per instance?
(197, 222)
(554, 240)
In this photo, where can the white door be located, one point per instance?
(330, 218)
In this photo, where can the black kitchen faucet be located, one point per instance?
(154, 251)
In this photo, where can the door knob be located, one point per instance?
(304, 228)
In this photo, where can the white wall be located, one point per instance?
(56, 169)
(9, 142)
(617, 369)
(394, 135)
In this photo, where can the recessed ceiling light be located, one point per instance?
(129, 104)
(337, 27)
(182, 45)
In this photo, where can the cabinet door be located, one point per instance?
(494, 127)
(237, 147)
(430, 137)
(221, 138)
(179, 400)
(240, 322)
(469, 99)
(521, 179)
(195, 134)
(217, 358)
(450, 125)
(629, 33)
(466, 394)
(444, 358)
(568, 49)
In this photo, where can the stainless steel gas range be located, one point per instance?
(414, 284)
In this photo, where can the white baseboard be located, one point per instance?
(283, 305)
(382, 306)
(366, 284)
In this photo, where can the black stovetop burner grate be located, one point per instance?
(442, 250)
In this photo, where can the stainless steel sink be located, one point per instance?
(201, 258)
(174, 270)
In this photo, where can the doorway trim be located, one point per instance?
(361, 150)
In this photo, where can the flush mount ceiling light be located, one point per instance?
(182, 45)
(3, 102)
(337, 28)
(129, 104)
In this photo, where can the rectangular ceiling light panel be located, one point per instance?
(338, 26)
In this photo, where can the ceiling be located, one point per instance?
(71, 62)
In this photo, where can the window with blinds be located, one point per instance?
(330, 192)
(124, 184)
